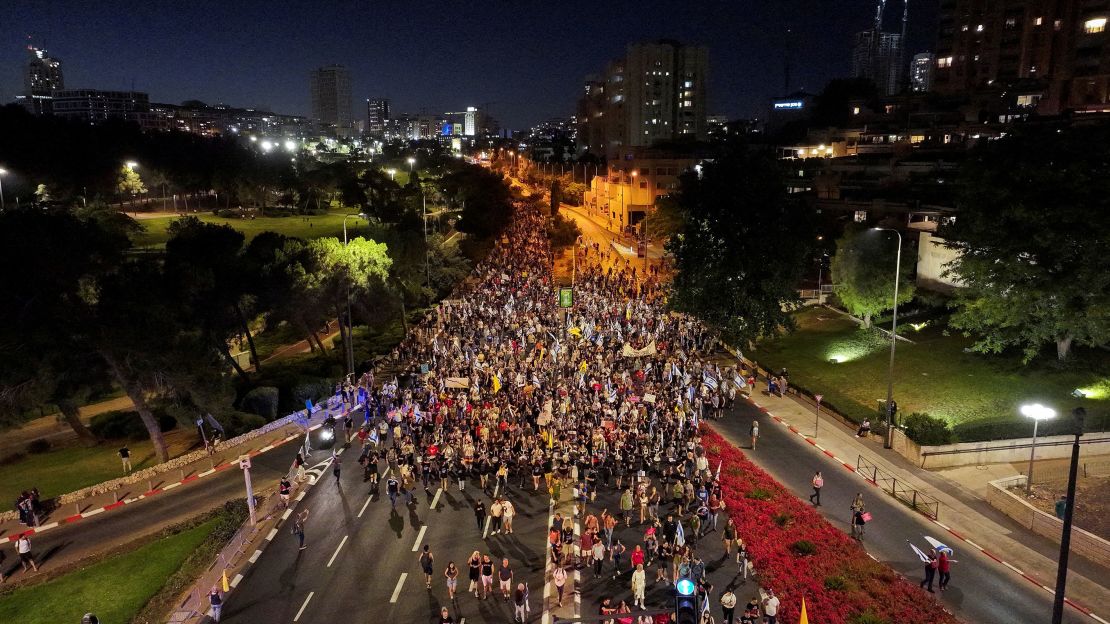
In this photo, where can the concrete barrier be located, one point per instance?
(1003, 451)
(1083, 543)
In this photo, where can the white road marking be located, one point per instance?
(92, 513)
(271, 534)
(337, 549)
(265, 448)
(397, 590)
(235, 581)
(300, 496)
(45, 527)
(419, 537)
(255, 555)
(285, 516)
(206, 473)
(485, 531)
(301, 610)
(171, 486)
(364, 506)
(435, 499)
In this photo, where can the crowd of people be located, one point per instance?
(503, 389)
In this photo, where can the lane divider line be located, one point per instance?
(337, 549)
(419, 537)
(303, 605)
(397, 590)
(364, 506)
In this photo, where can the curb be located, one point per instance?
(852, 469)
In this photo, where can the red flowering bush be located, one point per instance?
(836, 576)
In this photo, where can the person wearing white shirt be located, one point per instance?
(639, 584)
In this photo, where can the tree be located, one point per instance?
(1033, 234)
(665, 220)
(742, 249)
(128, 181)
(862, 273)
(345, 270)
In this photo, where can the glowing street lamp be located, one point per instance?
(1037, 412)
(412, 161)
(290, 145)
(889, 442)
(392, 173)
(131, 164)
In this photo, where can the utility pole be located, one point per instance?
(1080, 415)
(245, 464)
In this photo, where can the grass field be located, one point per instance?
(70, 468)
(114, 589)
(316, 226)
(935, 375)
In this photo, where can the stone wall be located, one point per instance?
(1083, 543)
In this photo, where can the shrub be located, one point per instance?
(867, 617)
(782, 519)
(835, 583)
(313, 389)
(928, 430)
(39, 446)
(803, 548)
(118, 424)
(760, 494)
(238, 423)
(262, 401)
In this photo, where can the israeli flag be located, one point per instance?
(679, 535)
(709, 379)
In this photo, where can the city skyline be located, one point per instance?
(223, 54)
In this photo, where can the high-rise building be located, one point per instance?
(656, 93)
(921, 72)
(41, 77)
(95, 105)
(331, 99)
(1043, 55)
(377, 115)
(876, 55)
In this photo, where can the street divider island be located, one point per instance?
(799, 554)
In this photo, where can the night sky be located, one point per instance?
(527, 59)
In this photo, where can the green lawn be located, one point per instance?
(71, 468)
(316, 226)
(114, 589)
(934, 375)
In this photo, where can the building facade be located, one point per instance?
(921, 72)
(1048, 56)
(630, 188)
(42, 75)
(656, 93)
(95, 105)
(877, 56)
(331, 99)
(377, 116)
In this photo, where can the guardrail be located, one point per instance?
(916, 499)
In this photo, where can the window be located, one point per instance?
(963, 28)
(860, 216)
(944, 61)
(643, 185)
(645, 171)
(979, 28)
(1011, 22)
(855, 110)
(1095, 25)
(1057, 24)
(1037, 21)
(1028, 101)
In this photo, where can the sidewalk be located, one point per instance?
(963, 512)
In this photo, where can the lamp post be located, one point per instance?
(889, 442)
(3, 172)
(392, 173)
(411, 161)
(349, 341)
(574, 261)
(1037, 412)
(1065, 538)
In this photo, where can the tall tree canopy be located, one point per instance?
(863, 273)
(1033, 232)
(743, 246)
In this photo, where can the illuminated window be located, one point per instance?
(1037, 21)
(1057, 24)
(1095, 25)
(917, 138)
(855, 110)
(963, 28)
(944, 61)
(1029, 101)
(979, 28)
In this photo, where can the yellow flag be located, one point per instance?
(496, 384)
(224, 583)
(804, 619)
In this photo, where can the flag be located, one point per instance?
(920, 554)
(719, 464)
(496, 384)
(679, 535)
(224, 583)
(709, 379)
(804, 619)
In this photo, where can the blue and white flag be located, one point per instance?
(679, 535)
(709, 379)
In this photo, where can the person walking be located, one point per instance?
(857, 520)
(944, 566)
(507, 514)
(754, 432)
(125, 458)
(505, 576)
(495, 512)
(23, 547)
(480, 513)
(930, 571)
(771, 607)
(216, 603)
(452, 576)
(559, 578)
(426, 560)
(298, 528)
(284, 488)
(445, 616)
(487, 576)
(474, 573)
(520, 603)
(393, 488)
(335, 466)
(728, 606)
(639, 584)
(818, 482)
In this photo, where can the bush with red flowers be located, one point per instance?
(797, 553)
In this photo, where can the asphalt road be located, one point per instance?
(981, 590)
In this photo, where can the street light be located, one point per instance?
(1037, 412)
(350, 341)
(412, 161)
(889, 442)
(391, 172)
(3, 172)
(1080, 415)
(131, 164)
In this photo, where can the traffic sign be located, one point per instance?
(818, 397)
(566, 297)
(245, 462)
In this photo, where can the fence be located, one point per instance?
(1058, 474)
(916, 499)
